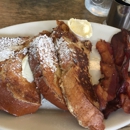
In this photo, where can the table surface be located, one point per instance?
(21, 11)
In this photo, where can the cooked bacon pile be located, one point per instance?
(113, 91)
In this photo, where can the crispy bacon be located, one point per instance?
(107, 88)
(125, 91)
(121, 51)
(118, 44)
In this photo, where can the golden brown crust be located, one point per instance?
(78, 91)
(86, 114)
(13, 105)
(75, 80)
(18, 96)
(44, 65)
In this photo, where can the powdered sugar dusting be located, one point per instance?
(45, 47)
(6, 47)
(65, 52)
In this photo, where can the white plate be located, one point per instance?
(49, 117)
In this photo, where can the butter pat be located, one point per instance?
(26, 70)
(82, 28)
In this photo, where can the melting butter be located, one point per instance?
(26, 70)
(80, 27)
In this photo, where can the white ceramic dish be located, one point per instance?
(49, 117)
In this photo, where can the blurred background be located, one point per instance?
(21, 11)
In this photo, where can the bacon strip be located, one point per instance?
(120, 44)
(125, 93)
(107, 89)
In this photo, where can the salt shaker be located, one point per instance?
(119, 14)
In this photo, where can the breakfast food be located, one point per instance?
(44, 64)
(121, 52)
(81, 28)
(17, 95)
(56, 65)
(107, 88)
(122, 59)
(75, 79)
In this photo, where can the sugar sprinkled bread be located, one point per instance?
(17, 95)
(44, 65)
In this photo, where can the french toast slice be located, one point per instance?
(44, 64)
(18, 96)
(75, 79)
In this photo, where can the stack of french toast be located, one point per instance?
(52, 64)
